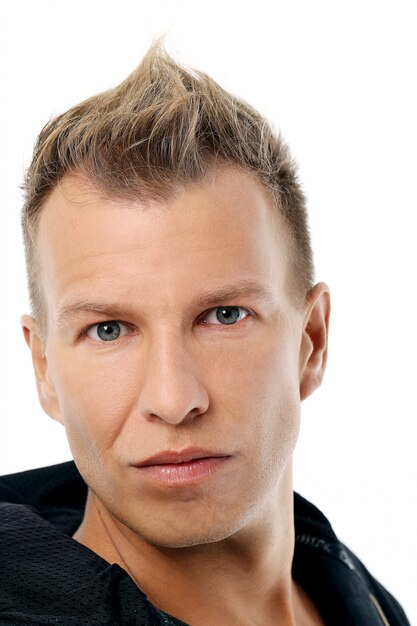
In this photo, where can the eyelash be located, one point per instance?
(249, 313)
(212, 310)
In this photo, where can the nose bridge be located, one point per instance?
(171, 389)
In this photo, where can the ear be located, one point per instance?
(313, 349)
(46, 390)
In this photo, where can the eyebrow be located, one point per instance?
(241, 289)
(244, 288)
(75, 308)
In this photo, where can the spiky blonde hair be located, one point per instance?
(163, 128)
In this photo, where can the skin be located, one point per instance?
(219, 551)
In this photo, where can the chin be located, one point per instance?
(187, 539)
(182, 531)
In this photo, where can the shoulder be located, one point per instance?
(48, 578)
(335, 577)
(384, 601)
(51, 485)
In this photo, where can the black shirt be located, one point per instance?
(47, 577)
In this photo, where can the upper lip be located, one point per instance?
(173, 456)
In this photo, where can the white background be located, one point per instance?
(339, 80)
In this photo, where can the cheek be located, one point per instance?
(258, 371)
(95, 397)
(259, 385)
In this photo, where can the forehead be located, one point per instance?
(207, 236)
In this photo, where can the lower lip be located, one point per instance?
(184, 473)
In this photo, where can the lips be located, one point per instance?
(171, 470)
(183, 456)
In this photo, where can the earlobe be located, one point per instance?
(314, 341)
(46, 390)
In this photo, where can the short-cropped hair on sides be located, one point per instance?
(163, 128)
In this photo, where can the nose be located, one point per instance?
(171, 389)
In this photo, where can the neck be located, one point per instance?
(243, 579)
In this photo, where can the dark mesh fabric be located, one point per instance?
(336, 580)
(46, 577)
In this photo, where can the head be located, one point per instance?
(150, 209)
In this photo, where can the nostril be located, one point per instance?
(171, 388)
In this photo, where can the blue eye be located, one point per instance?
(106, 331)
(226, 315)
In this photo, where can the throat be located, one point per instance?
(243, 579)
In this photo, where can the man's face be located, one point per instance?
(170, 373)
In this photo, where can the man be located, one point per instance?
(175, 330)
